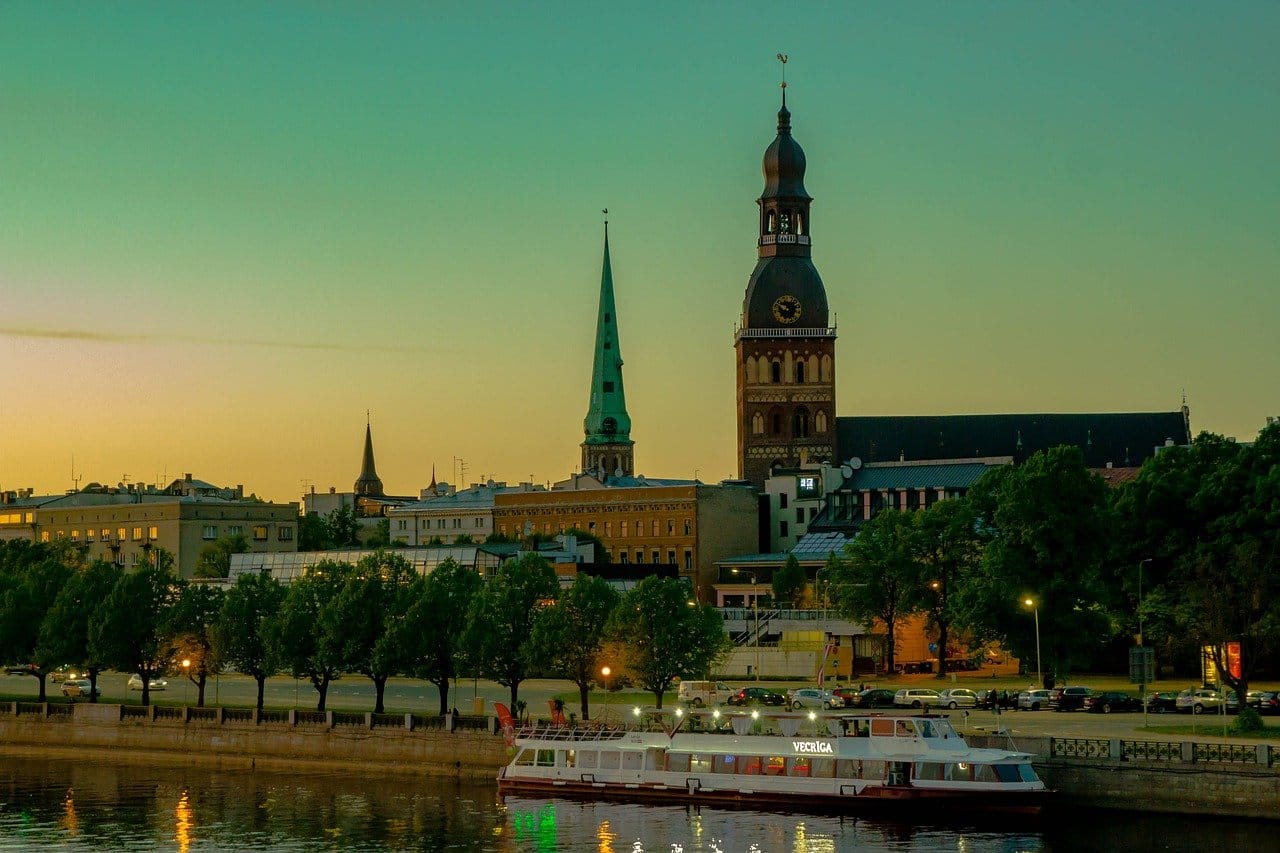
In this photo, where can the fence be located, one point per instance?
(1165, 752)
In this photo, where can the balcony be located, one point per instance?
(773, 239)
(819, 332)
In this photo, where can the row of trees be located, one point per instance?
(1199, 529)
(378, 618)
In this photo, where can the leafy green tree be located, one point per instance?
(948, 548)
(129, 631)
(215, 558)
(1047, 531)
(463, 539)
(878, 577)
(666, 635)
(367, 619)
(380, 535)
(64, 633)
(303, 638)
(437, 618)
(342, 528)
(193, 625)
(500, 621)
(31, 577)
(243, 633)
(313, 533)
(789, 583)
(568, 636)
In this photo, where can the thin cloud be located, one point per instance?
(140, 338)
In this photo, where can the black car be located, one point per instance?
(1068, 698)
(991, 699)
(1165, 702)
(873, 697)
(1111, 700)
(757, 696)
(1269, 704)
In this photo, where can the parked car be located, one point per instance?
(1256, 698)
(848, 695)
(75, 688)
(989, 699)
(1111, 700)
(757, 696)
(959, 697)
(700, 693)
(64, 673)
(813, 697)
(135, 683)
(874, 697)
(1270, 704)
(1068, 698)
(1199, 700)
(1033, 700)
(1163, 702)
(23, 669)
(916, 697)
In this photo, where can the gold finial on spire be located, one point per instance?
(782, 57)
(605, 211)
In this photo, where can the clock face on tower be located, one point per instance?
(786, 309)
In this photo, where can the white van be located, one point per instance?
(700, 693)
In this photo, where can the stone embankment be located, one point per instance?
(231, 737)
(1225, 779)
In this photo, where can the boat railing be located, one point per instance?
(571, 733)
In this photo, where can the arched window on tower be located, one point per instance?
(757, 424)
(813, 368)
(800, 371)
(826, 368)
(770, 221)
(750, 369)
(820, 422)
(784, 222)
(775, 422)
(775, 372)
(800, 423)
(800, 223)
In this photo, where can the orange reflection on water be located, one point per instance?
(182, 823)
(606, 837)
(70, 822)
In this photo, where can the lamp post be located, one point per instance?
(1035, 611)
(604, 672)
(186, 678)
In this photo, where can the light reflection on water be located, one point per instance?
(88, 805)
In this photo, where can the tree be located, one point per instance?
(215, 558)
(303, 639)
(789, 582)
(666, 635)
(243, 633)
(879, 575)
(193, 625)
(568, 636)
(313, 533)
(342, 528)
(367, 619)
(1047, 531)
(30, 579)
(380, 535)
(437, 618)
(129, 629)
(948, 547)
(64, 633)
(501, 620)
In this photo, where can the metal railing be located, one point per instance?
(343, 718)
(1150, 750)
(1079, 747)
(1225, 753)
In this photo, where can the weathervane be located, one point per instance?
(605, 211)
(782, 57)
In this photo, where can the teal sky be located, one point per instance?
(227, 230)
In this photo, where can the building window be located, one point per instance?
(88, 535)
(671, 556)
(807, 487)
(799, 515)
(782, 529)
(782, 500)
(800, 424)
(457, 523)
(75, 535)
(655, 527)
(121, 534)
(813, 513)
(775, 372)
(210, 531)
(479, 522)
(137, 534)
(671, 527)
(775, 423)
(688, 527)
(235, 530)
(284, 534)
(591, 527)
(608, 529)
(622, 558)
(757, 424)
(688, 560)
(260, 533)
(106, 534)
(153, 532)
(800, 372)
(44, 536)
(401, 524)
(655, 555)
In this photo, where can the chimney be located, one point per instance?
(187, 477)
(333, 490)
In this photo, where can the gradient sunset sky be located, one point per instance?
(227, 230)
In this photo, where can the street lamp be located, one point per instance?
(186, 677)
(755, 612)
(604, 672)
(1035, 611)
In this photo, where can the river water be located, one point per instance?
(48, 804)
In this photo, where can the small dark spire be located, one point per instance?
(784, 115)
(368, 483)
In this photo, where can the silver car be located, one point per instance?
(1033, 700)
(960, 697)
(813, 697)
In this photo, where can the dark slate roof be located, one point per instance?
(954, 475)
(1121, 438)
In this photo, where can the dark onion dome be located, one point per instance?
(784, 163)
(779, 276)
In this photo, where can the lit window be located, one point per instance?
(44, 536)
(89, 534)
(106, 534)
(260, 533)
(153, 532)
(625, 528)
(137, 534)
(75, 535)
(122, 534)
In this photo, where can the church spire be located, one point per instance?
(368, 483)
(607, 448)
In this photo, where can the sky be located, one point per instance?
(228, 231)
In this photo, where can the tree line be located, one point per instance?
(1188, 550)
(378, 618)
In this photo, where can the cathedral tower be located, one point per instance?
(607, 449)
(785, 345)
(368, 484)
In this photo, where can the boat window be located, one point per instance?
(632, 760)
(726, 764)
(546, 758)
(525, 758)
(905, 729)
(609, 760)
(873, 770)
(848, 769)
(587, 758)
(930, 770)
(799, 767)
(1007, 772)
(749, 765)
(699, 763)
(926, 729)
(677, 762)
(941, 728)
(883, 726)
(983, 773)
(776, 765)
(822, 768)
(657, 759)
(1027, 772)
(569, 758)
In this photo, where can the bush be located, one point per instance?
(1247, 721)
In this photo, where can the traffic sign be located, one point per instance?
(1142, 665)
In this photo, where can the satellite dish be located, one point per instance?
(846, 471)
(855, 463)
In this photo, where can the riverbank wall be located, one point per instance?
(1217, 778)
(276, 740)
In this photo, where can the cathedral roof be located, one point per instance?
(368, 483)
(607, 421)
(784, 162)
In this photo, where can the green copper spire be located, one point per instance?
(607, 448)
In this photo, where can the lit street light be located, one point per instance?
(1035, 611)
(604, 672)
(186, 678)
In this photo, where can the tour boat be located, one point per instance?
(860, 763)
